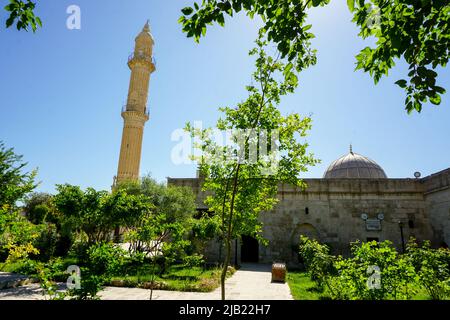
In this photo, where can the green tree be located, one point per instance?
(98, 213)
(23, 14)
(16, 233)
(241, 188)
(177, 203)
(38, 208)
(160, 239)
(14, 182)
(160, 234)
(416, 30)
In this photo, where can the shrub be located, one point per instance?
(318, 262)
(374, 272)
(46, 242)
(194, 260)
(432, 267)
(90, 285)
(105, 259)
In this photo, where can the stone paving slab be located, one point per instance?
(251, 282)
(13, 280)
(27, 292)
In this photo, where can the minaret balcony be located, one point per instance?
(141, 57)
(136, 109)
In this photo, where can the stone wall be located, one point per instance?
(330, 210)
(437, 198)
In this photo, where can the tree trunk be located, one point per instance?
(223, 276)
(229, 233)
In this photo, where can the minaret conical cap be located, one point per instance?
(146, 31)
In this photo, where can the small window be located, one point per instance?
(411, 224)
(306, 210)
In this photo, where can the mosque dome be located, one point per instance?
(354, 166)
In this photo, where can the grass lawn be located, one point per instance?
(177, 278)
(303, 288)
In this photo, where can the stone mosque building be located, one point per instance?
(355, 199)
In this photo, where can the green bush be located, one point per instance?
(372, 260)
(194, 260)
(105, 259)
(90, 285)
(133, 263)
(46, 242)
(318, 261)
(432, 267)
(376, 271)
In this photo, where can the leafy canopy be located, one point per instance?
(416, 30)
(14, 182)
(98, 213)
(22, 13)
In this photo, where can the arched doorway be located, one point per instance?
(249, 249)
(303, 229)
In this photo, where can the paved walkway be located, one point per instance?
(11, 280)
(251, 282)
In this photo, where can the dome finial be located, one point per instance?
(351, 148)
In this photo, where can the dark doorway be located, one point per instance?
(249, 249)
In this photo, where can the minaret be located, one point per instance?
(135, 112)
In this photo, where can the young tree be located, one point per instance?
(415, 30)
(161, 233)
(242, 186)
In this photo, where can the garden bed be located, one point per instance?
(176, 278)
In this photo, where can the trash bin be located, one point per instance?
(279, 272)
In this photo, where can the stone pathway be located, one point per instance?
(12, 280)
(251, 282)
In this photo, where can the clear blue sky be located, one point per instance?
(61, 93)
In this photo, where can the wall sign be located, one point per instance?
(373, 225)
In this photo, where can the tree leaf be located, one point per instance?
(187, 11)
(401, 83)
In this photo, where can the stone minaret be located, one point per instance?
(135, 112)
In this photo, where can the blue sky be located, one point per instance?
(62, 91)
